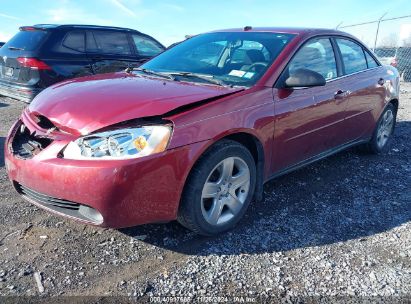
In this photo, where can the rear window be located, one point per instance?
(26, 40)
(109, 43)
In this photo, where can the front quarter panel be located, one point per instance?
(250, 111)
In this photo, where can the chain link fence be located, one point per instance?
(389, 38)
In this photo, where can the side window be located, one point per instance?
(316, 55)
(370, 61)
(146, 46)
(72, 43)
(91, 44)
(352, 56)
(109, 43)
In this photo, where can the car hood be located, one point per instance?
(84, 105)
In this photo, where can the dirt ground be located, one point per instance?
(341, 226)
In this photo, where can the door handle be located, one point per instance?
(381, 81)
(340, 94)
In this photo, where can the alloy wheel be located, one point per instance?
(225, 191)
(385, 128)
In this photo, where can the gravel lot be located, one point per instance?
(341, 227)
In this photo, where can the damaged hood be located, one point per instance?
(87, 104)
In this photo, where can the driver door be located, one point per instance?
(309, 121)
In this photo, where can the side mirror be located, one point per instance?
(303, 78)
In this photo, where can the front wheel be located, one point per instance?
(219, 189)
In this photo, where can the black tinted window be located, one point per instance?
(370, 61)
(26, 40)
(74, 41)
(109, 43)
(352, 56)
(316, 55)
(146, 46)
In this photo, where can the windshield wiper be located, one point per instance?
(150, 72)
(13, 48)
(209, 79)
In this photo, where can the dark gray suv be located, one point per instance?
(41, 55)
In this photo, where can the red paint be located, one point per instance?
(291, 125)
(108, 99)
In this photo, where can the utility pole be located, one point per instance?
(378, 29)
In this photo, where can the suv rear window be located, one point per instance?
(109, 43)
(26, 40)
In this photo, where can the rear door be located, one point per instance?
(109, 51)
(365, 81)
(65, 53)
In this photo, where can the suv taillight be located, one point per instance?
(394, 62)
(33, 63)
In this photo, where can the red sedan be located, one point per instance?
(194, 133)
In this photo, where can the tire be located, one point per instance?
(214, 209)
(380, 140)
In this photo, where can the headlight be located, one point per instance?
(120, 144)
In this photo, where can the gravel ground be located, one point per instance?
(340, 227)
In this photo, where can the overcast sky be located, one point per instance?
(170, 20)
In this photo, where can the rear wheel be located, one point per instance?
(219, 189)
(383, 131)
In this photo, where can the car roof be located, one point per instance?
(286, 30)
(77, 26)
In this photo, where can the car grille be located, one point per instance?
(62, 206)
(46, 200)
(26, 145)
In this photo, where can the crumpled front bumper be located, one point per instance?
(121, 193)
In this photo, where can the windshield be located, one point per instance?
(26, 40)
(235, 58)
